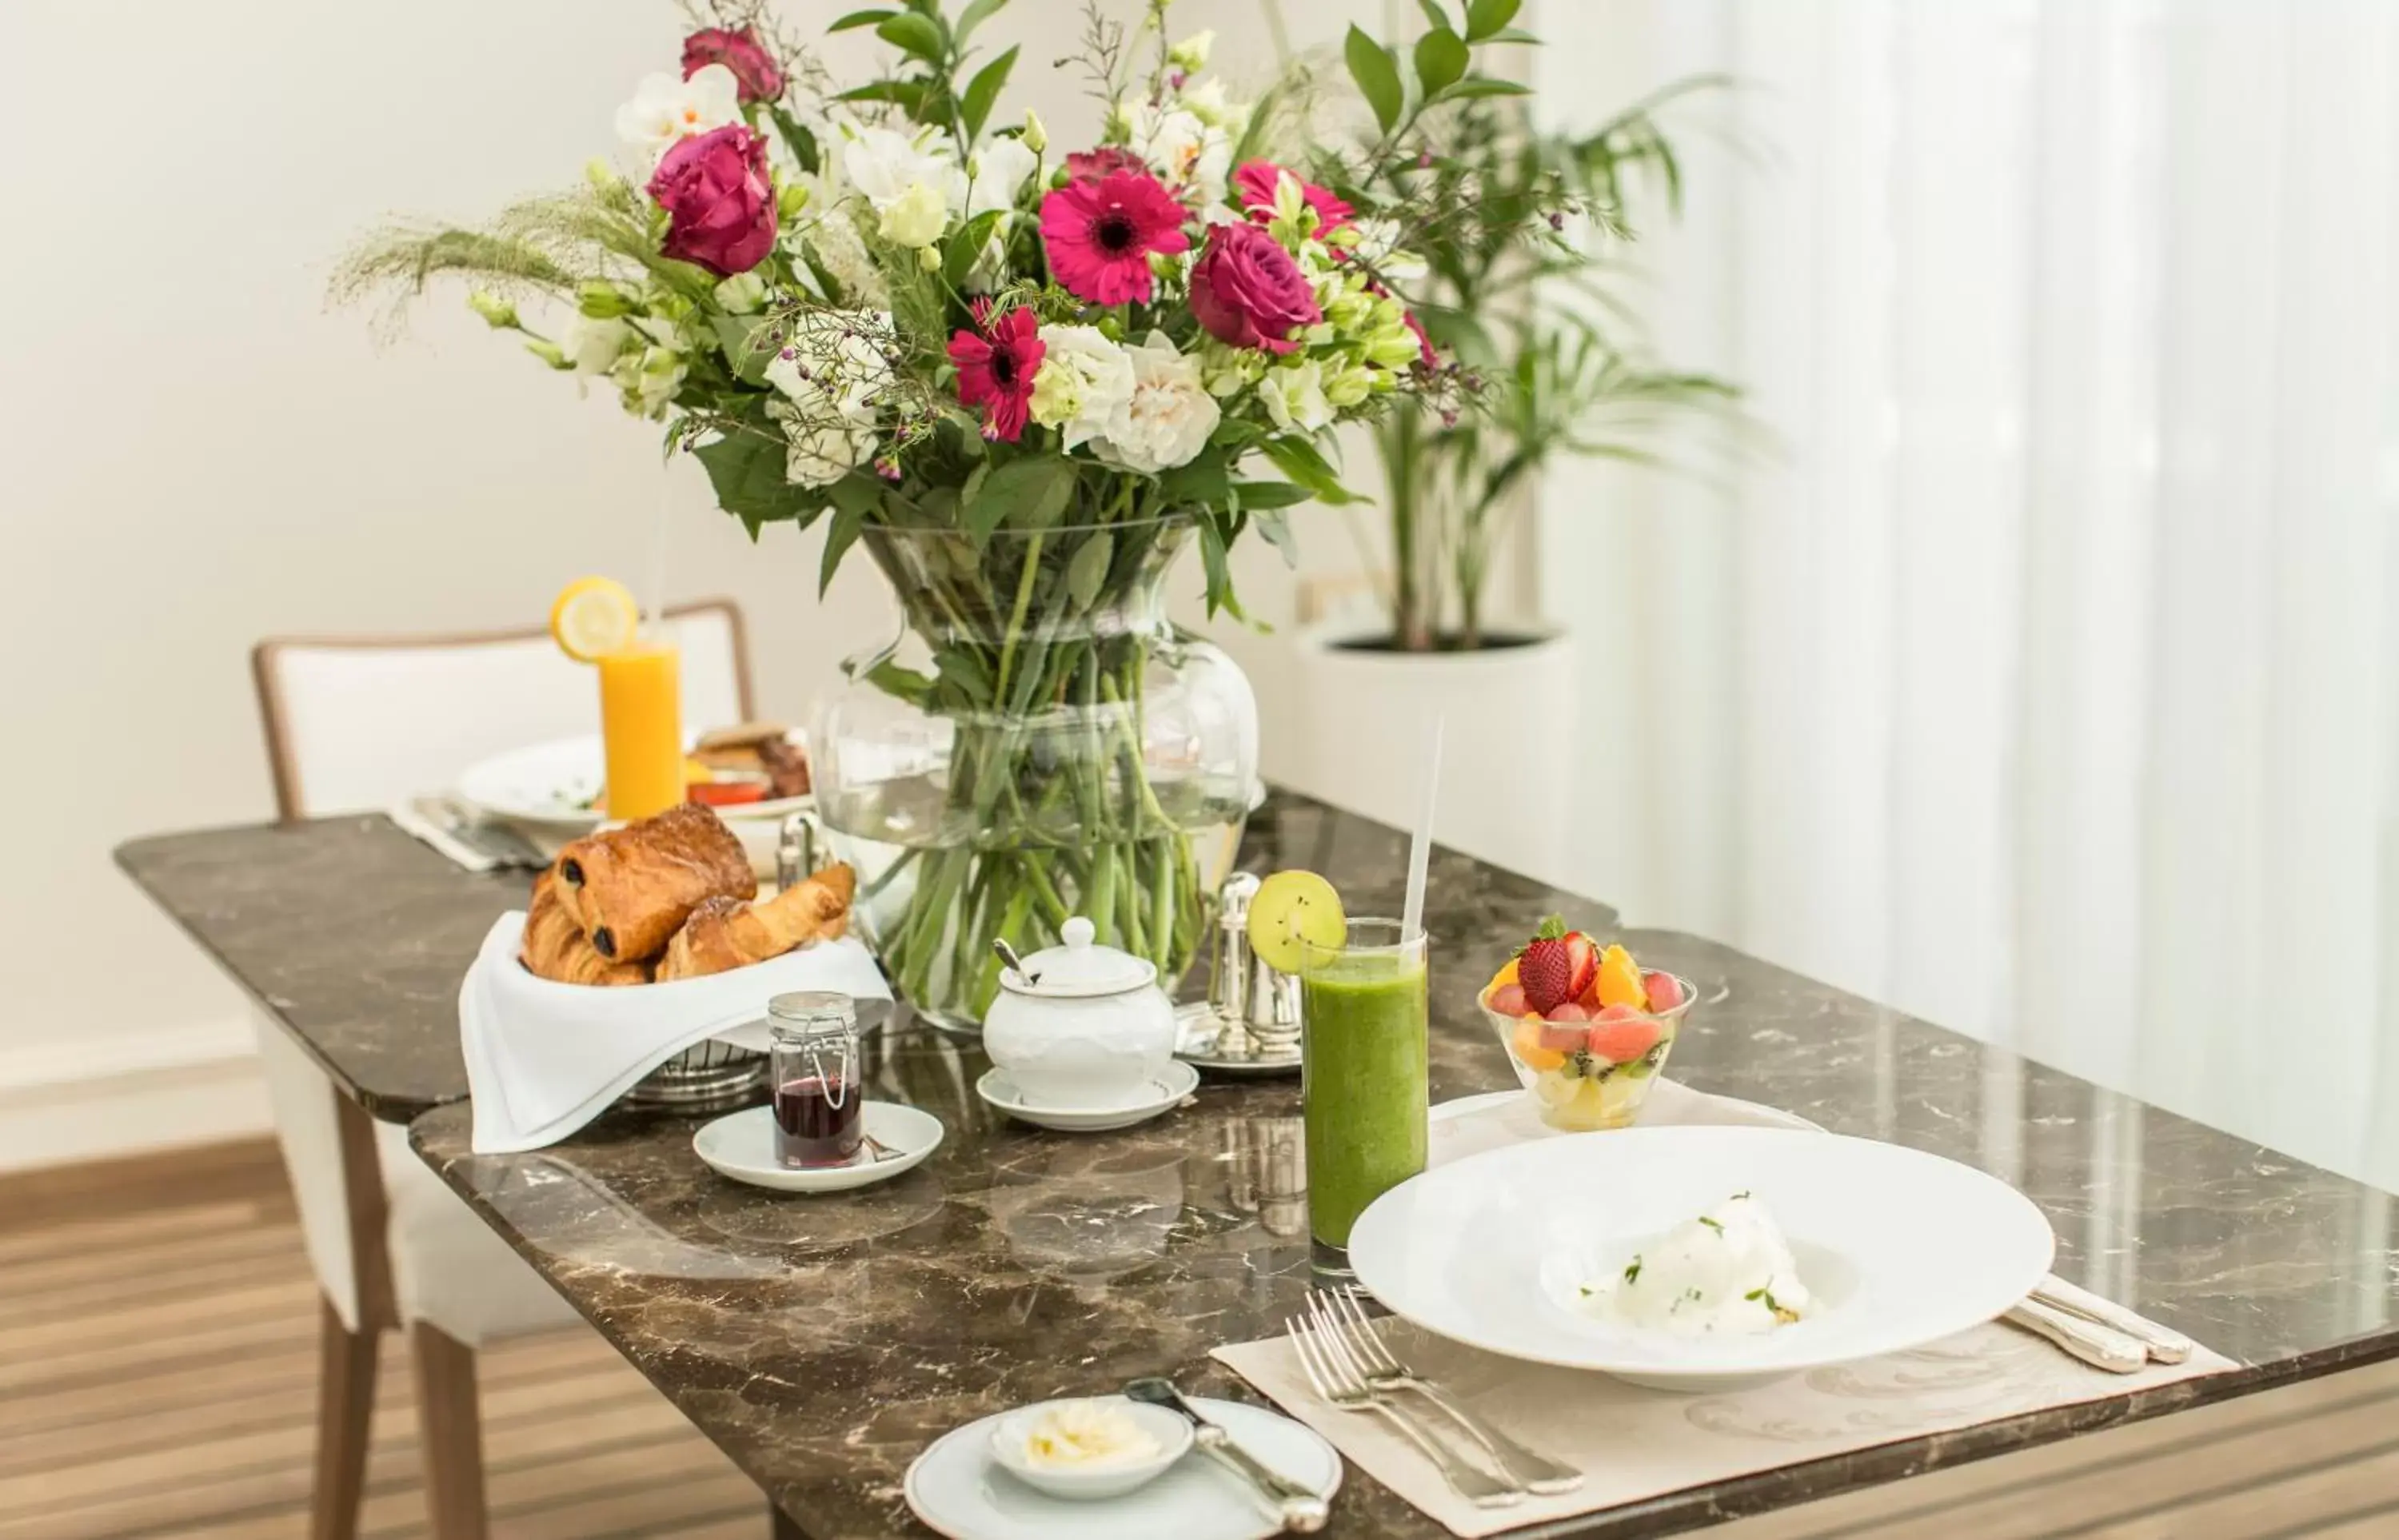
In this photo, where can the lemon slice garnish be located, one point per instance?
(594, 617)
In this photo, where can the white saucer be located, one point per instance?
(1166, 1088)
(959, 1490)
(742, 1146)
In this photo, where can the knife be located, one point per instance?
(1301, 1510)
(2100, 1346)
(2163, 1346)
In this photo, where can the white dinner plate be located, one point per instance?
(552, 785)
(1898, 1248)
(742, 1145)
(959, 1490)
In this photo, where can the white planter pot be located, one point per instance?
(1504, 785)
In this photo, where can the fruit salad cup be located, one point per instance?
(1586, 1028)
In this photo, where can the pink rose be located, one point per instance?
(738, 49)
(720, 205)
(1246, 289)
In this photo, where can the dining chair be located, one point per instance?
(359, 723)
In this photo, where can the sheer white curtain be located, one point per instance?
(2040, 673)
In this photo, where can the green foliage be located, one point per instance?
(1376, 76)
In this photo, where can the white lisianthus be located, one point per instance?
(1170, 415)
(742, 294)
(1191, 54)
(666, 109)
(915, 217)
(1084, 380)
(840, 247)
(647, 380)
(1208, 104)
(885, 165)
(1294, 395)
(1181, 147)
(592, 345)
(1000, 167)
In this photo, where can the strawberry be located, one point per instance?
(1546, 968)
(1582, 960)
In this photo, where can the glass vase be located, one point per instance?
(1037, 742)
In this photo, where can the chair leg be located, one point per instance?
(785, 1528)
(450, 1433)
(346, 1387)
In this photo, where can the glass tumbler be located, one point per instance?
(1365, 1073)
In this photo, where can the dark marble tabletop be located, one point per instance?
(354, 935)
(825, 1342)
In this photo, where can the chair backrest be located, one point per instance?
(359, 723)
(356, 724)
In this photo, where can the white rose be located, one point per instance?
(885, 164)
(1083, 382)
(1000, 167)
(1294, 397)
(915, 217)
(666, 109)
(1168, 416)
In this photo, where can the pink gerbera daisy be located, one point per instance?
(996, 369)
(1100, 234)
(1255, 184)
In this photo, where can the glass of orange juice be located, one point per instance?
(595, 621)
(641, 720)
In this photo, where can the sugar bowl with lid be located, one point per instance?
(1080, 1025)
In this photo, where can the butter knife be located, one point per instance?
(2100, 1346)
(2163, 1346)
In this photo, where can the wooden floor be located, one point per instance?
(158, 1358)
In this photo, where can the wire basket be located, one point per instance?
(706, 1075)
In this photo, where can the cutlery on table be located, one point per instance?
(2100, 1346)
(2162, 1346)
(1301, 1510)
(1339, 1383)
(1382, 1369)
(495, 846)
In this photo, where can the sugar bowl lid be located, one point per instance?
(1080, 970)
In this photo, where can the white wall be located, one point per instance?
(199, 455)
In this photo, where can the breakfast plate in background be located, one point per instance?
(1505, 1249)
(557, 786)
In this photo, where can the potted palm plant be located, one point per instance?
(1519, 280)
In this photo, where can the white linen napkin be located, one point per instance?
(543, 1058)
(1633, 1444)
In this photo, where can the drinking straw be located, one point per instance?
(1420, 847)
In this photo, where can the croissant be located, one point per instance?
(632, 888)
(724, 933)
(555, 948)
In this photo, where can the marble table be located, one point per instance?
(823, 1344)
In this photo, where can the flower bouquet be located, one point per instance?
(1022, 382)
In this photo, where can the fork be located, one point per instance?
(1338, 1384)
(1382, 1369)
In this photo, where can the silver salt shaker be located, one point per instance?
(1228, 957)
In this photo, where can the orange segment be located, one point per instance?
(1528, 1044)
(1507, 975)
(1619, 980)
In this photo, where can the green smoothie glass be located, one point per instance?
(1363, 1072)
